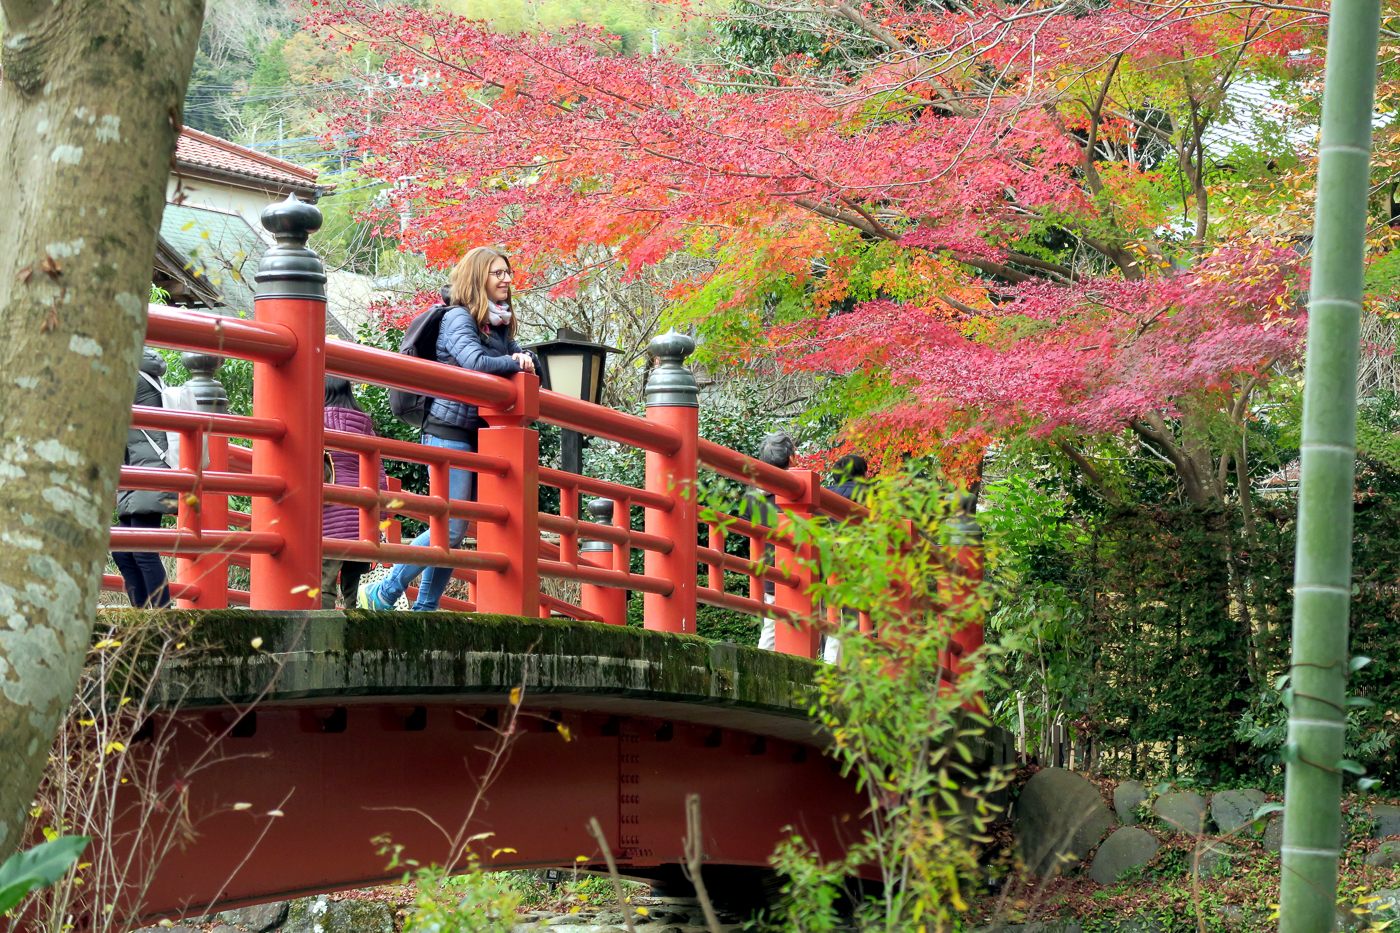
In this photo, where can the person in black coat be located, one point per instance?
(849, 475)
(142, 572)
(760, 508)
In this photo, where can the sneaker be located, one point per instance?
(368, 597)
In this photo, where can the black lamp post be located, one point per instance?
(573, 366)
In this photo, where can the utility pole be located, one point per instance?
(1322, 574)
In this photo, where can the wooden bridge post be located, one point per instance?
(515, 590)
(291, 291)
(209, 572)
(607, 601)
(965, 553)
(672, 399)
(802, 638)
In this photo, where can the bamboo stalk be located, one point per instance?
(1322, 574)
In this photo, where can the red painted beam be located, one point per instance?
(339, 790)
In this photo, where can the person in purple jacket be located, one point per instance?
(343, 413)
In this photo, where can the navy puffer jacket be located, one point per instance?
(461, 343)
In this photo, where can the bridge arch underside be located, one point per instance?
(365, 725)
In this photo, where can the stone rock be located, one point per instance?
(260, 918)
(225, 928)
(1211, 859)
(1126, 798)
(1256, 797)
(1387, 819)
(1060, 817)
(1128, 848)
(1231, 914)
(1273, 834)
(160, 929)
(1142, 923)
(1387, 856)
(1036, 926)
(1183, 811)
(1231, 810)
(322, 915)
(1386, 905)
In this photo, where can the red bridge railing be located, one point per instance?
(280, 539)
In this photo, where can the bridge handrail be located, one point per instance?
(282, 473)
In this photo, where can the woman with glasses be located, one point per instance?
(477, 332)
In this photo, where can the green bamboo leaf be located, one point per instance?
(1362, 702)
(1358, 662)
(1346, 764)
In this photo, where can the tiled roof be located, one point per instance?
(224, 251)
(219, 247)
(195, 148)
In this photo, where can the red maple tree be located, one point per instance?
(985, 191)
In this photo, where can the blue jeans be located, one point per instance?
(461, 484)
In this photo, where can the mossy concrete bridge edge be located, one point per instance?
(476, 658)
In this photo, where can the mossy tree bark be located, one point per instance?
(89, 111)
(1322, 572)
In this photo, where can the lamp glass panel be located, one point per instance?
(595, 381)
(566, 374)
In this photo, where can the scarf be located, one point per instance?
(498, 315)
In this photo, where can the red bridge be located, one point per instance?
(354, 725)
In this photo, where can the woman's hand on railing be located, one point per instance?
(526, 363)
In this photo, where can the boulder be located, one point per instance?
(1387, 818)
(1060, 817)
(1257, 797)
(1386, 905)
(1232, 810)
(1273, 833)
(1211, 859)
(1231, 914)
(1386, 856)
(1128, 848)
(1126, 798)
(322, 915)
(260, 918)
(1142, 923)
(1183, 811)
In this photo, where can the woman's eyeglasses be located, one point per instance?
(500, 273)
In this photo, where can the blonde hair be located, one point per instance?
(466, 284)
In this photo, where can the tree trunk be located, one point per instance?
(89, 109)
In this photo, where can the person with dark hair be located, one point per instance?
(477, 332)
(343, 413)
(848, 476)
(848, 480)
(776, 450)
(143, 575)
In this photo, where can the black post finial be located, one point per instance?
(601, 511)
(290, 269)
(671, 383)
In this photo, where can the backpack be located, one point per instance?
(178, 398)
(420, 341)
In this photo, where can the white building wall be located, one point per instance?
(226, 198)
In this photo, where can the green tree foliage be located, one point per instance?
(898, 727)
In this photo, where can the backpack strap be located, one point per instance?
(154, 446)
(157, 384)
